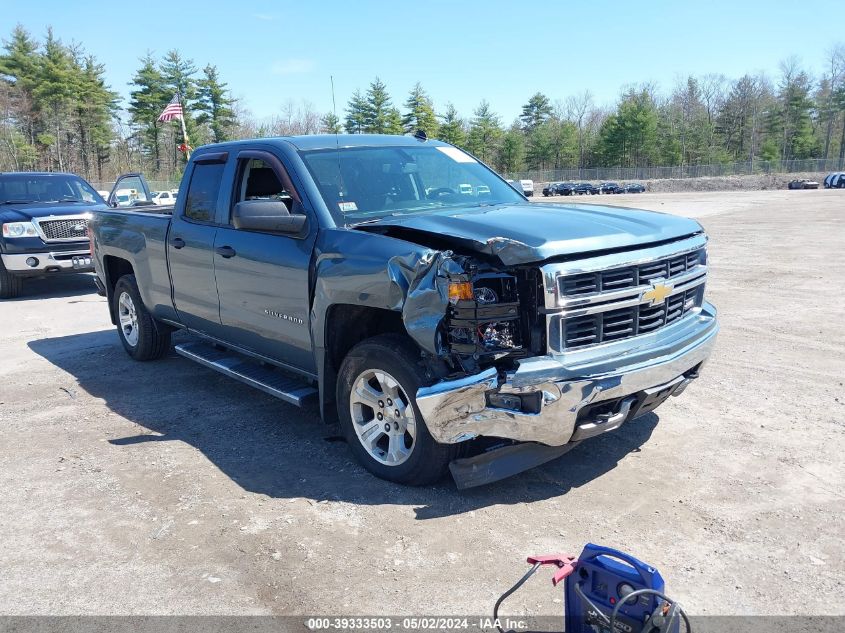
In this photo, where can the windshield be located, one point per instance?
(23, 188)
(365, 183)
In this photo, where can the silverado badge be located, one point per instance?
(657, 293)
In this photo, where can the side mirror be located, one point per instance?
(271, 216)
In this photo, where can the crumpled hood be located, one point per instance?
(30, 210)
(524, 233)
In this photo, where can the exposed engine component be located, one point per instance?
(486, 321)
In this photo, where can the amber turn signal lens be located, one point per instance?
(460, 291)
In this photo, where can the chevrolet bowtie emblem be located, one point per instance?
(657, 293)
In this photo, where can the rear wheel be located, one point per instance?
(142, 336)
(377, 383)
(10, 285)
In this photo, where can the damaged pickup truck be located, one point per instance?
(443, 320)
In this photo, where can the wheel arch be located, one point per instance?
(113, 269)
(346, 325)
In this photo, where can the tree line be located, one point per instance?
(58, 113)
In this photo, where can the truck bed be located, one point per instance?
(139, 235)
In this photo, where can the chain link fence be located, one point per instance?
(681, 171)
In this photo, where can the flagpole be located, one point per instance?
(184, 131)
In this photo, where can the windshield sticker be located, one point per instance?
(346, 207)
(457, 155)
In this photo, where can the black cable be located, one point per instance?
(505, 595)
(642, 592)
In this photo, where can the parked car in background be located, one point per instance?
(527, 187)
(585, 189)
(565, 188)
(44, 220)
(550, 189)
(163, 197)
(608, 187)
(836, 180)
(634, 187)
(803, 183)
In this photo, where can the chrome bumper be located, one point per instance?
(77, 261)
(663, 365)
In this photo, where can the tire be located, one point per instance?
(10, 285)
(412, 457)
(142, 336)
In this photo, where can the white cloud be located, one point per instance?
(265, 17)
(292, 66)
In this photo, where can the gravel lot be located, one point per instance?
(163, 488)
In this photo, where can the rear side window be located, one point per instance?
(201, 201)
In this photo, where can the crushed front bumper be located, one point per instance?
(554, 402)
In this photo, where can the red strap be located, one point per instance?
(565, 562)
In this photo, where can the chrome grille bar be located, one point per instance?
(615, 297)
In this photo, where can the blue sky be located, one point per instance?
(270, 52)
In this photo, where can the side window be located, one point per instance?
(257, 180)
(201, 201)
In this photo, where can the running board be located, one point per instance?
(251, 372)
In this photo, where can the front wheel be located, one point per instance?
(376, 386)
(10, 285)
(142, 336)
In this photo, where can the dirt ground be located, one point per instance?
(164, 488)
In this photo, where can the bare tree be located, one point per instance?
(834, 76)
(578, 108)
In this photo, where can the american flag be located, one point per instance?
(172, 111)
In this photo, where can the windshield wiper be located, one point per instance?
(18, 201)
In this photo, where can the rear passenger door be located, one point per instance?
(262, 278)
(190, 247)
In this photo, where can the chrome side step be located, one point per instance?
(269, 379)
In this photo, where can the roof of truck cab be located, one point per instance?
(331, 141)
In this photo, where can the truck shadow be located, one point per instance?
(57, 286)
(275, 449)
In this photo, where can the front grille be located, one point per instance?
(635, 297)
(65, 229)
(614, 325)
(629, 276)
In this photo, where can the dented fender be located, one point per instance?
(370, 270)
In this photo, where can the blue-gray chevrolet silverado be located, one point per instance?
(441, 319)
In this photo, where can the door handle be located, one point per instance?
(225, 251)
(177, 242)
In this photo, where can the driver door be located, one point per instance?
(262, 278)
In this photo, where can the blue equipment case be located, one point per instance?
(605, 575)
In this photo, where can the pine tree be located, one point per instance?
(393, 124)
(420, 113)
(356, 114)
(146, 104)
(19, 71)
(330, 124)
(55, 91)
(214, 105)
(96, 107)
(179, 78)
(535, 112)
(379, 112)
(451, 130)
(485, 133)
(511, 157)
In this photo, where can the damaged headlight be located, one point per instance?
(484, 315)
